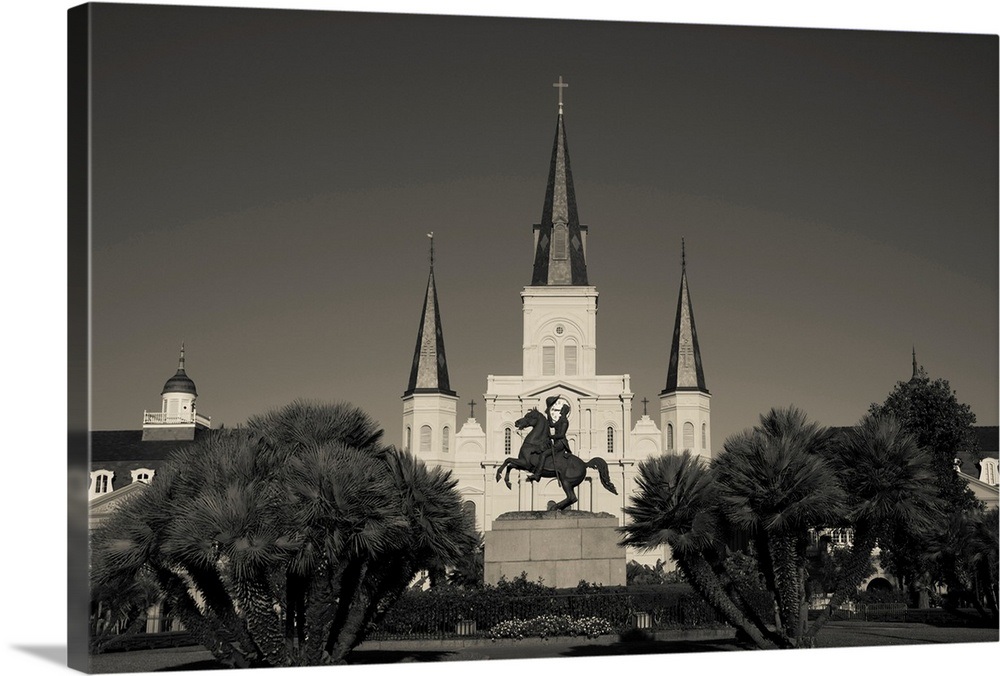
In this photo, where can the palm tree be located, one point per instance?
(435, 531)
(276, 543)
(774, 485)
(675, 505)
(890, 487)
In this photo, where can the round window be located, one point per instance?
(559, 330)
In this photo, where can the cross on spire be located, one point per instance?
(472, 408)
(560, 86)
(431, 235)
(644, 402)
(683, 256)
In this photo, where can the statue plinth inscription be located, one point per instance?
(561, 548)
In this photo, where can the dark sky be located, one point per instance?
(264, 180)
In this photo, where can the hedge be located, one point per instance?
(437, 611)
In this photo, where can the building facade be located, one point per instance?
(559, 310)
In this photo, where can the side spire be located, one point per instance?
(559, 249)
(429, 372)
(685, 371)
(918, 371)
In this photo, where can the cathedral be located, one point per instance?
(559, 362)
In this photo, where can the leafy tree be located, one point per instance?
(826, 569)
(469, 572)
(279, 543)
(930, 410)
(965, 552)
(640, 574)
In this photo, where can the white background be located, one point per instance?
(34, 311)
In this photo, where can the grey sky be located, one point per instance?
(263, 183)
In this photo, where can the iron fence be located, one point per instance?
(428, 618)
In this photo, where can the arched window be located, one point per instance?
(704, 436)
(560, 242)
(425, 439)
(611, 439)
(444, 440)
(100, 482)
(569, 356)
(548, 360)
(469, 510)
(409, 438)
(988, 471)
(688, 436)
(670, 437)
(142, 474)
(506, 441)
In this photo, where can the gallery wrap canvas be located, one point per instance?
(279, 219)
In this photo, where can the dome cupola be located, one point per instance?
(180, 382)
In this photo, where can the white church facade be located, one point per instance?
(559, 310)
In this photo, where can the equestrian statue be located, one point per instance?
(546, 455)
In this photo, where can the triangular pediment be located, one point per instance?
(107, 503)
(979, 486)
(561, 387)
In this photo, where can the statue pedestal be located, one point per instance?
(562, 548)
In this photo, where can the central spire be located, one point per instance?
(429, 372)
(559, 251)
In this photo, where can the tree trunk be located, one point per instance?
(353, 626)
(704, 580)
(218, 599)
(392, 583)
(257, 606)
(786, 579)
(351, 592)
(208, 629)
(321, 601)
(735, 592)
(804, 640)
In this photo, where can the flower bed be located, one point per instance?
(545, 626)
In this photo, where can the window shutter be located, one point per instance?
(548, 360)
(570, 355)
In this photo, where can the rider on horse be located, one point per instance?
(559, 422)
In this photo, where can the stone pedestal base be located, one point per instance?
(561, 548)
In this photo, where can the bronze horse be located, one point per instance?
(566, 467)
